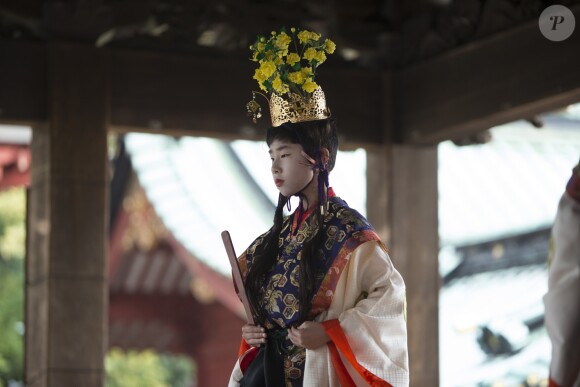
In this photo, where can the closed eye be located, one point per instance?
(285, 155)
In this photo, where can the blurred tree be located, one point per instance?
(180, 370)
(134, 369)
(146, 369)
(12, 248)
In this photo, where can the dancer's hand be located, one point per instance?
(310, 335)
(254, 335)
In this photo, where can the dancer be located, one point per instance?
(562, 302)
(328, 303)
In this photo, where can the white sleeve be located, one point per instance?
(562, 302)
(375, 325)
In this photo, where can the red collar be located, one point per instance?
(573, 186)
(297, 222)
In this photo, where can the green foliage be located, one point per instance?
(146, 369)
(180, 370)
(12, 247)
(12, 224)
(11, 320)
(134, 369)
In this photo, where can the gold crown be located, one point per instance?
(298, 108)
(287, 64)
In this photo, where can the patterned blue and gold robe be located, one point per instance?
(354, 272)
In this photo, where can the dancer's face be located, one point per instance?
(291, 171)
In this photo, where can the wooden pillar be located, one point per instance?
(402, 205)
(66, 303)
(402, 201)
(379, 198)
(415, 246)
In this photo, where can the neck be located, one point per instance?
(311, 194)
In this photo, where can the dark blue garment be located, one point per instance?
(344, 229)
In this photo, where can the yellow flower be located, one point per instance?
(310, 54)
(297, 77)
(260, 76)
(267, 68)
(276, 64)
(304, 36)
(282, 41)
(320, 57)
(269, 55)
(329, 46)
(292, 58)
(309, 86)
(278, 86)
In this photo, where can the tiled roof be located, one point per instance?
(508, 186)
(502, 300)
(196, 189)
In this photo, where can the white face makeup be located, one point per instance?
(290, 169)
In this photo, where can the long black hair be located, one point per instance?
(313, 136)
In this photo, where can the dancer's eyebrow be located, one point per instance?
(281, 147)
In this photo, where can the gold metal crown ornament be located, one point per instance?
(298, 108)
(287, 69)
(294, 108)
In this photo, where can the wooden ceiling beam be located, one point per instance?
(23, 8)
(513, 75)
(23, 79)
(189, 95)
(509, 76)
(183, 95)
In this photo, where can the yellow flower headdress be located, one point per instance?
(287, 68)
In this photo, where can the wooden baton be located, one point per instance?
(237, 274)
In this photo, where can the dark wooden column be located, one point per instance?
(66, 299)
(415, 246)
(402, 205)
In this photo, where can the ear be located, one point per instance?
(325, 155)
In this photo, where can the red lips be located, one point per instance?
(278, 182)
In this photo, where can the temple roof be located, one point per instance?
(507, 302)
(14, 156)
(508, 186)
